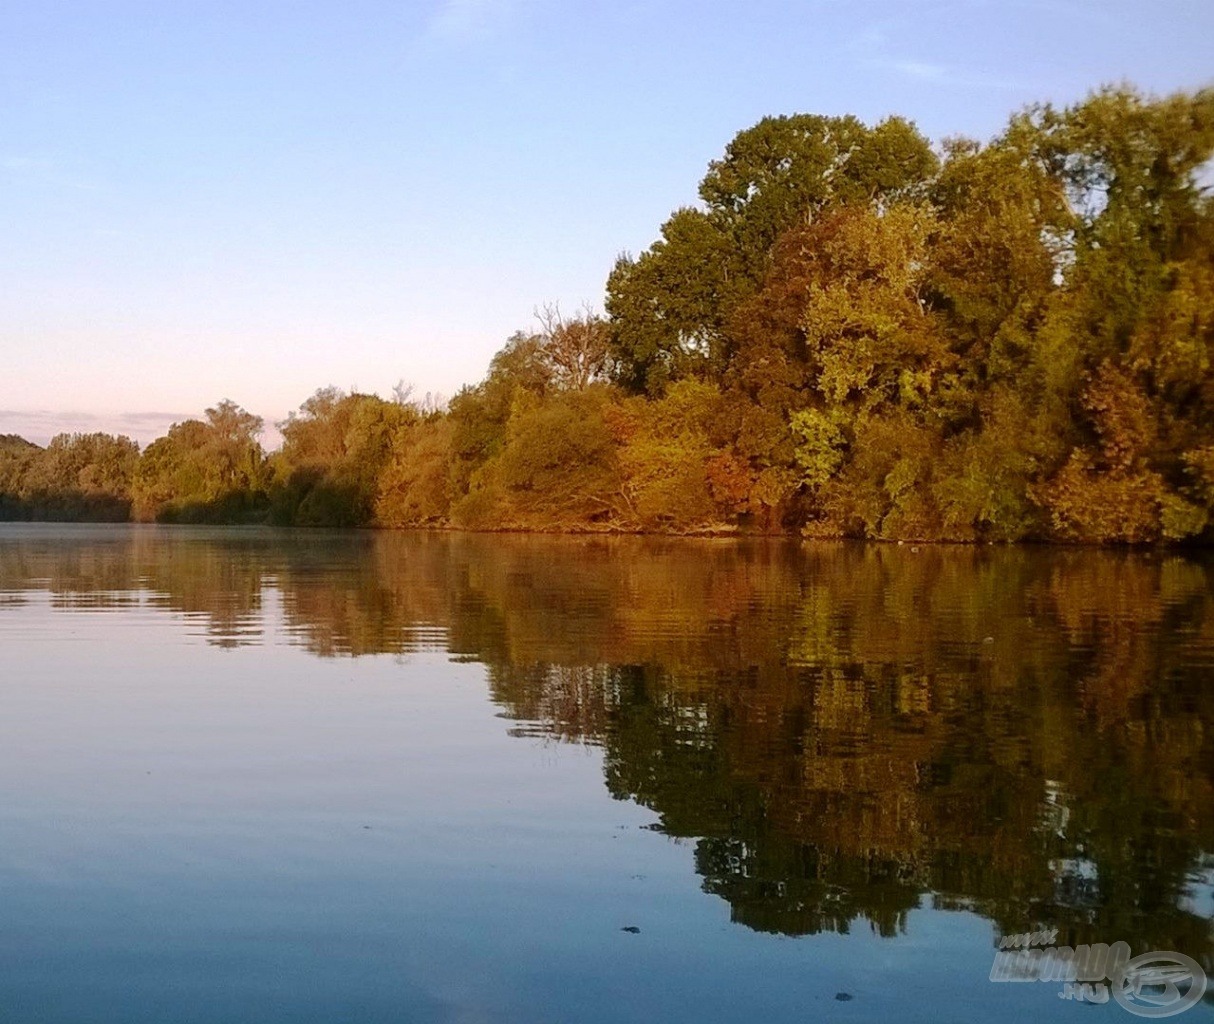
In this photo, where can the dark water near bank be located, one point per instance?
(259, 776)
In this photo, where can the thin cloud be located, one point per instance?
(40, 425)
(43, 171)
(876, 47)
(468, 19)
(919, 69)
(935, 74)
(25, 163)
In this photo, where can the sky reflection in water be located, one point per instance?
(260, 776)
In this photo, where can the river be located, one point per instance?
(258, 775)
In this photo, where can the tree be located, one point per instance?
(415, 485)
(671, 466)
(556, 470)
(1126, 347)
(79, 476)
(479, 413)
(576, 348)
(210, 470)
(233, 445)
(334, 450)
(669, 307)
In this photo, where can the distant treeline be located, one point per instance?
(853, 334)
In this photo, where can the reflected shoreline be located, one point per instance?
(846, 731)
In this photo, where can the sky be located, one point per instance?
(204, 199)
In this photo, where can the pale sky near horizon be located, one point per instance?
(251, 200)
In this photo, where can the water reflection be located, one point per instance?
(845, 732)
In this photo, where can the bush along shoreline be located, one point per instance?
(852, 333)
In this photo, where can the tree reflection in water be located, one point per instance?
(845, 731)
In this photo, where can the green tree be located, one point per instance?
(669, 308)
(210, 470)
(415, 485)
(327, 472)
(556, 470)
(79, 476)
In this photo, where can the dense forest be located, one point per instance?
(853, 333)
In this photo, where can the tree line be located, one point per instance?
(854, 333)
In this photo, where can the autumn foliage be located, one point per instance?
(853, 334)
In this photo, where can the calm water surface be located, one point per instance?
(262, 776)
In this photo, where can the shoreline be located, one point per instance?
(707, 534)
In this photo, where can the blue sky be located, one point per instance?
(255, 199)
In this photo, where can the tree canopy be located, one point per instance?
(852, 333)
